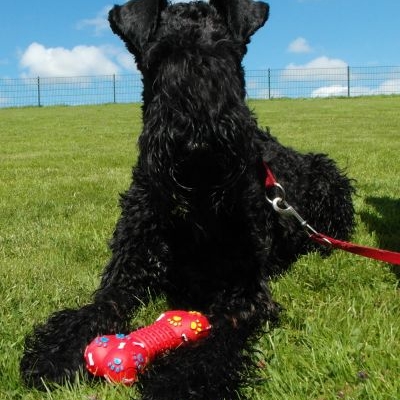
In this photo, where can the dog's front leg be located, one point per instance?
(54, 351)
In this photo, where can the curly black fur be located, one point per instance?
(195, 223)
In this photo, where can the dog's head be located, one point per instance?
(142, 24)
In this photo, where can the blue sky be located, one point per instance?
(64, 38)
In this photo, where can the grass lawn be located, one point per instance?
(61, 169)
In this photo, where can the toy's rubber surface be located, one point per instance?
(120, 358)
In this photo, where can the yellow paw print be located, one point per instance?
(175, 320)
(196, 326)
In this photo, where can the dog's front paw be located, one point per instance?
(54, 351)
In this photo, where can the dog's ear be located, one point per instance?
(243, 17)
(136, 21)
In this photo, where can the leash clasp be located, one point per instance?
(283, 208)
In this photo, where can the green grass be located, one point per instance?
(61, 169)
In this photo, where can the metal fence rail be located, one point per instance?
(260, 84)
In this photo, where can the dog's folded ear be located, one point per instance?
(136, 21)
(243, 17)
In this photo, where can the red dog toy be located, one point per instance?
(119, 358)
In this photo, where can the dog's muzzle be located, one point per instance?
(202, 171)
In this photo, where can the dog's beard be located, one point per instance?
(202, 172)
(195, 163)
(201, 180)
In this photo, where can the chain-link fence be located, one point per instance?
(70, 90)
(323, 82)
(260, 84)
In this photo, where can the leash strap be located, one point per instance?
(280, 205)
(370, 252)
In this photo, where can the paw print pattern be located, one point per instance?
(196, 326)
(116, 365)
(105, 341)
(139, 361)
(120, 336)
(175, 320)
(102, 341)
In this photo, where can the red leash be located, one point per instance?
(280, 205)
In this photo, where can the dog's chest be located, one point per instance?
(212, 257)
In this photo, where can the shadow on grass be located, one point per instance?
(385, 222)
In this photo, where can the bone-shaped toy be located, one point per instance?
(120, 358)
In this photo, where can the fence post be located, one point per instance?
(269, 84)
(38, 91)
(115, 98)
(348, 81)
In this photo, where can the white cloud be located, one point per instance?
(300, 46)
(321, 68)
(391, 86)
(321, 62)
(338, 90)
(330, 91)
(126, 60)
(99, 23)
(122, 57)
(37, 60)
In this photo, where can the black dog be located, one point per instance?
(195, 224)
